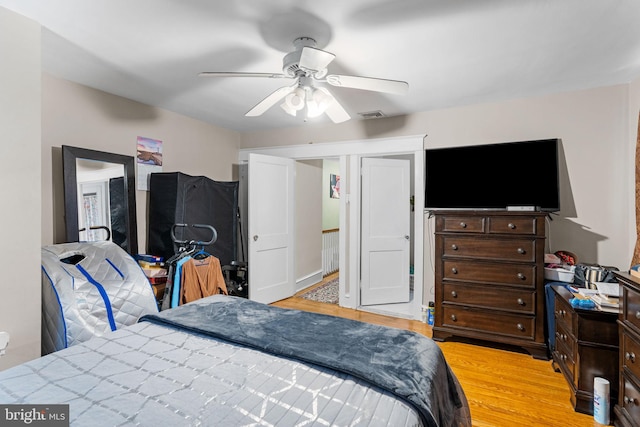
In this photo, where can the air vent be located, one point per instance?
(372, 114)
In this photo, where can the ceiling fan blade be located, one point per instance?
(369, 83)
(334, 110)
(270, 101)
(242, 74)
(313, 59)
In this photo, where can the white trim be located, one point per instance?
(378, 146)
(308, 280)
(350, 153)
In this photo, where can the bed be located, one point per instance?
(228, 361)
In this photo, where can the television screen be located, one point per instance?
(493, 176)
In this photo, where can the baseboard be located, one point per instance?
(309, 280)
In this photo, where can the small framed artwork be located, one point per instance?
(334, 186)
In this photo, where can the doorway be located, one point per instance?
(350, 155)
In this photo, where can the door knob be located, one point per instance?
(406, 236)
(255, 238)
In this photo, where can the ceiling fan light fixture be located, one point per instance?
(318, 102)
(295, 100)
(287, 109)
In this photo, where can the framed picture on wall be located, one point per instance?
(334, 186)
(149, 160)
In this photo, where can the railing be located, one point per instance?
(330, 251)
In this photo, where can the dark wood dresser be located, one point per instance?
(586, 347)
(627, 410)
(489, 277)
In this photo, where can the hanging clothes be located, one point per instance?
(176, 291)
(201, 278)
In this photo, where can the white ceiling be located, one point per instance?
(451, 52)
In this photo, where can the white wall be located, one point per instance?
(20, 186)
(79, 116)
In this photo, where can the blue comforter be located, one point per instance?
(405, 363)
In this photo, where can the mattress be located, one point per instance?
(152, 375)
(228, 361)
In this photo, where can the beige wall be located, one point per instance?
(20, 186)
(308, 223)
(79, 116)
(595, 176)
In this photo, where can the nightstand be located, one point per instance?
(586, 346)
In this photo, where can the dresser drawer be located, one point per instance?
(630, 352)
(632, 305)
(489, 273)
(564, 315)
(630, 399)
(512, 225)
(512, 325)
(486, 297)
(566, 362)
(463, 224)
(565, 342)
(520, 250)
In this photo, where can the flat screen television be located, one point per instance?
(520, 174)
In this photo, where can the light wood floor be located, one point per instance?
(504, 388)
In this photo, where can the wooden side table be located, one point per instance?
(586, 346)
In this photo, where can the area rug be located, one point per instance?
(327, 292)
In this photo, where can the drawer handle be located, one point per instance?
(630, 357)
(511, 226)
(630, 401)
(453, 317)
(454, 294)
(564, 357)
(520, 301)
(463, 224)
(520, 327)
(521, 251)
(454, 270)
(520, 276)
(637, 314)
(454, 247)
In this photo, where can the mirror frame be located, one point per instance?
(69, 157)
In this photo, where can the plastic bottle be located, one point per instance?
(601, 400)
(430, 313)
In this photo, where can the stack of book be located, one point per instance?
(606, 303)
(606, 297)
(153, 267)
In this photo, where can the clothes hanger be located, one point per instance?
(200, 254)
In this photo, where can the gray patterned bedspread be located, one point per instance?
(149, 374)
(402, 362)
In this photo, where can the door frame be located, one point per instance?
(350, 154)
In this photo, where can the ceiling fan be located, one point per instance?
(307, 66)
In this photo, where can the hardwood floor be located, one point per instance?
(504, 388)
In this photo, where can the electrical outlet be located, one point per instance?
(4, 342)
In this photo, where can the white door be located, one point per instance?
(271, 228)
(385, 231)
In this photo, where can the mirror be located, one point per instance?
(99, 197)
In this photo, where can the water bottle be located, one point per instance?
(601, 400)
